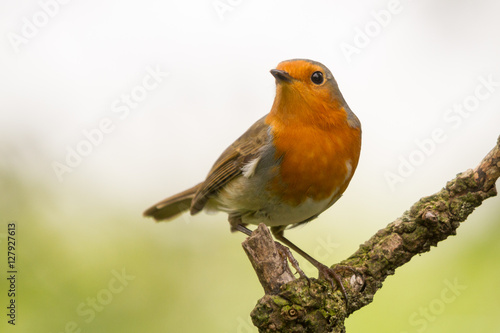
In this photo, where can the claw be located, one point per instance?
(285, 252)
(330, 275)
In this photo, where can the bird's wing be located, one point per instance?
(229, 165)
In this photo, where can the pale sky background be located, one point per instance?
(417, 66)
(427, 58)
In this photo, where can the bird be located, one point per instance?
(288, 167)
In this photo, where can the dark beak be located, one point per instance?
(281, 76)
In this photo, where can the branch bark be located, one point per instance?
(310, 305)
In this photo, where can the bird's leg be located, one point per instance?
(236, 224)
(241, 228)
(325, 272)
(285, 253)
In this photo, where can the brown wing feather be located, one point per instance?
(229, 164)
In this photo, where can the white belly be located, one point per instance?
(284, 214)
(255, 205)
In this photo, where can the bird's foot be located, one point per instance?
(287, 254)
(332, 275)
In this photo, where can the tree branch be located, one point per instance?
(310, 305)
(271, 267)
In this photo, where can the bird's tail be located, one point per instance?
(173, 206)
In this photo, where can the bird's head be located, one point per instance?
(307, 89)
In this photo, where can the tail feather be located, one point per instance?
(173, 206)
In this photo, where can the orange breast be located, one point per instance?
(315, 162)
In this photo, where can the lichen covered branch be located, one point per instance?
(301, 305)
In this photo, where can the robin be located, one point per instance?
(288, 167)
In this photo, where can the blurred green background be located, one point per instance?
(89, 262)
(191, 275)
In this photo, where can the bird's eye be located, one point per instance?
(317, 78)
